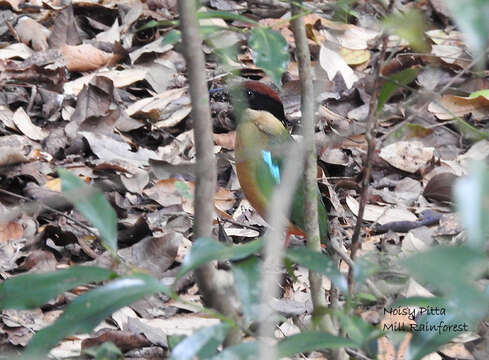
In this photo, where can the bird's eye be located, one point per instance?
(249, 93)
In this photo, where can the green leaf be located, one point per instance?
(471, 17)
(409, 26)
(93, 205)
(89, 309)
(244, 351)
(317, 262)
(270, 52)
(472, 198)
(30, 291)
(175, 36)
(403, 77)
(445, 268)
(171, 38)
(310, 341)
(358, 329)
(203, 343)
(225, 15)
(247, 281)
(484, 92)
(439, 325)
(106, 351)
(205, 249)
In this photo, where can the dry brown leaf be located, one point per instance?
(23, 122)
(10, 231)
(31, 32)
(452, 106)
(85, 57)
(409, 156)
(153, 106)
(120, 79)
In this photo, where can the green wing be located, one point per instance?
(268, 171)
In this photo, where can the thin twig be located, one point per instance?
(310, 172)
(208, 279)
(370, 137)
(274, 246)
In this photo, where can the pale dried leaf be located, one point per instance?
(23, 122)
(333, 63)
(120, 79)
(19, 50)
(84, 57)
(409, 156)
(31, 32)
(380, 214)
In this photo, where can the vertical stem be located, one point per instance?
(207, 277)
(277, 217)
(310, 172)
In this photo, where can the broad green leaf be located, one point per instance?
(225, 15)
(471, 17)
(154, 23)
(317, 262)
(203, 343)
(409, 26)
(247, 281)
(175, 36)
(29, 291)
(171, 38)
(89, 309)
(472, 198)
(484, 92)
(270, 52)
(93, 205)
(205, 249)
(439, 325)
(357, 329)
(403, 77)
(310, 341)
(445, 268)
(244, 351)
(106, 351)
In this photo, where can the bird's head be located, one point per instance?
(255, 95)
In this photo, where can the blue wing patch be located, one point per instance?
(274, 168)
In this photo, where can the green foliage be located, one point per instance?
(472, 198)
(89, 309)
(29, 291)
(247, 276)
(409, 26)
(270, 52)
(310, 341)
(205, 250)
(269, 48)
(106, 351)
(317, 262)
(452, 273)
(403, 77)
(203, 343)
(344, 9)
(93, 205)
(471, 17)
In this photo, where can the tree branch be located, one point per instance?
(208, 279)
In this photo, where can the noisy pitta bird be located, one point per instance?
(261, 141)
